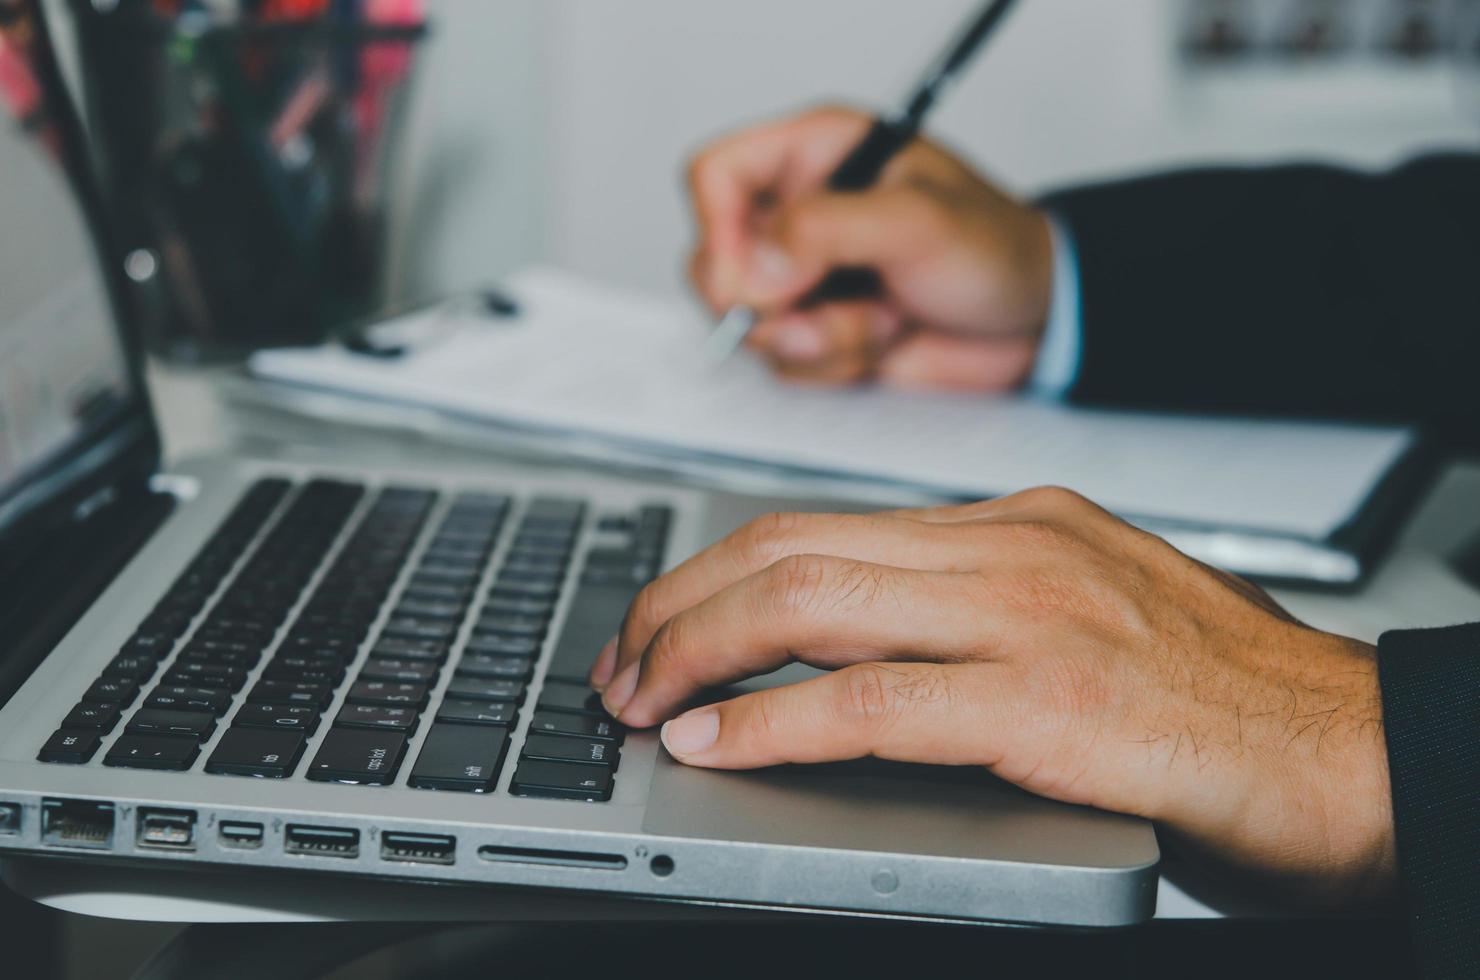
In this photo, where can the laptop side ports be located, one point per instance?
(321, 841)
(10, 819)
(77, 823)
(170, 830)
(418, 848)
(241, 834)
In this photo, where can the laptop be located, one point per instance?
(246, 663)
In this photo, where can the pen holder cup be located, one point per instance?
(247, 165)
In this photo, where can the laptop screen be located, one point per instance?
(65, 377)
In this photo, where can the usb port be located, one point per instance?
(322, 841)
(172, 830)
(241, 833)
(418, 848)
(10, 818)
(77, 823)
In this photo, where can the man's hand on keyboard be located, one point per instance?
(1044, 639)
(967, 270)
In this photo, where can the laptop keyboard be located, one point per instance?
(276, 656)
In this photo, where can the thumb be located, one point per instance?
(879, 228)
(910, 712)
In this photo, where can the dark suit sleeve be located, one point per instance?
(1291, 290)
(1431, 716)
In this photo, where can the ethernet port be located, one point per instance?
(10, 818)
(169, 830)
(77, 823)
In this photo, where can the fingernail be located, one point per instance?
(621, 690)
(771, 269)
(799, 340)
(606, 663)
(691, 733)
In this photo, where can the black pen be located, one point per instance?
(862, 167)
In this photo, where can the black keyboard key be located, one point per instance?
(522, 574)
(477, 712)
(429, 609)
(439, 568)
(377, 716)
(69, 747)
(300, 718)
(437, 591)
(431, 650)
(153, 721)
(155, 645)
(169, 624)
(554, 510)
(574, 698)
(131, 667)
(325, 678)
(91, 717)
(207, 675)
(535, 564)
(224, 646)
(219, 658)
(538, 608)
(561, 780)
(587, 726)
(460, 576)
(397, 669)
(389, 693)
(540, 589)
(638, 574)
(342, 640)
(596, 614)
(503, 668)
(562, 748)
(292, 692)
(542, 546)
(503, 646)
(355, 755)
(111, 690)
(456, 552)
(152, 752)
(461, 758)
(421, 629)
(292, 664)
(185, 697)
(339, 623)
(481, 689)
(530, 627)
(257, 752)
(482, 500)
(240, 630)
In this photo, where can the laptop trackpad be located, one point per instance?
(873, 805)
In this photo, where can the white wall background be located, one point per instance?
(557, 129)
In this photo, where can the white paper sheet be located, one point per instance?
(597, 359)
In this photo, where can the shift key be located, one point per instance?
(463, 758)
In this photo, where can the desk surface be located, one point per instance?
(211, 410)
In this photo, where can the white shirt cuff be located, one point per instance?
(1057, 367)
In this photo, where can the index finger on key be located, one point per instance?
(761, 543)
(823, 611)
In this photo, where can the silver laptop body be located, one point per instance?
(445, 734)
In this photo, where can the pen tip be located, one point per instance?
(729, 333)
